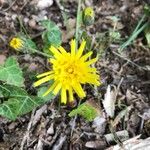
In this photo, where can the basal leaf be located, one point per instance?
(19, 102)
(11, 73)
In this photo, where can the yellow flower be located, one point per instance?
(16, 43)
(89, 12)
(69, 71)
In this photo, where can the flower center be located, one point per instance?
(70, 70)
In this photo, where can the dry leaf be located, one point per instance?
(109, 101)
(121, 115)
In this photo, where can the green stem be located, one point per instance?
(41, 53)
(22, 28)
(78, 23)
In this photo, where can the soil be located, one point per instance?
(49, 126)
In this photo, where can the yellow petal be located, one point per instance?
(62, 50)
(56, 53)
(85, 57)
(91, 61)
(44, 74)
(93, 81)
(43, 80)
(50, 88)
(70, 94)
(73, 47)
(78, 89)
(63, 96)
(93, 70)
(57, 88)
(80, 51)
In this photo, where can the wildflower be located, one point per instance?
(69, 71)
(16, 43)
(89, 12)
(88, 16)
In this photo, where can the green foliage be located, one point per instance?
(88, 40)
(11, 73)
(86, 110)
(147, 10)
(41, 91)
(29, 44)
(147, 35)
(18, 102)
(52, 34)
(114, 35)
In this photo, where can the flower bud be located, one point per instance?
(16, 43)
(88, 16)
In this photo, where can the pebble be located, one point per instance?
(50, 130)
(42, 4)
(32, 23)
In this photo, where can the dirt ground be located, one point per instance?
(49, 126)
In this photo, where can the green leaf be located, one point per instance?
(114, 35)
(89, 110)
(41, 91)
(88, 40)
(29, 46)
(11, 73)
(147, 10)
(147, 35)
(52, 35)
(19, 102)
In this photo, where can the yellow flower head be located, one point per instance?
(69, 71)
(89, 12)
(16, 43)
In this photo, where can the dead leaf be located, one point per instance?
(109, 101)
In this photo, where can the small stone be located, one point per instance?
(42, 4)
(50, 130)
(14, 16)
(33, 67)
(26, 20)
(32, 23)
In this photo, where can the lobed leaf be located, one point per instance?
(19, 102)
(11, 73)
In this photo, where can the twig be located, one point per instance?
(131, 62)
(26, 136)
(10, 5)
(60, 6)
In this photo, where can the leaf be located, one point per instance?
(114, 35)
(52, 35)
(109, 101)
(89, 110)
(18, 103)
(121, 114)
(147, 10)
(88, 40)
(147, 35)
(11, 73)
(41, 91)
